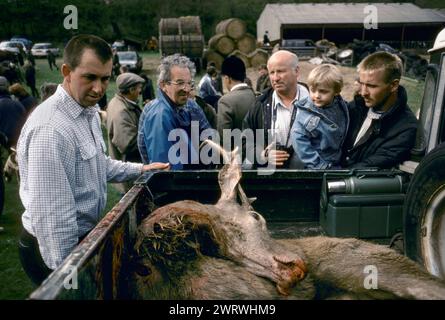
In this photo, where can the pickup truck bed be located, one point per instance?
(290, 201)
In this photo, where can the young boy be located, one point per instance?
(322, 120)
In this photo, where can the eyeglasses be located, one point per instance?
(183, 84)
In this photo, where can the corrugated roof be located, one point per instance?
(322, 13)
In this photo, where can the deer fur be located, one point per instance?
(189, 250)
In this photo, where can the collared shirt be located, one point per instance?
(282, 123)
(63, 174)
(371, 115)
(239, 85)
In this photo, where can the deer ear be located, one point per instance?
(228, 178)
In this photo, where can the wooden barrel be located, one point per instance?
(234, 28)
(169, 26)
(193, 45)
(222, 43)
(190, 25)
(170, 44)
(242, 56)
(246, 44)
(211, 55)
(258, 57)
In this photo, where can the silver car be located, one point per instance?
(41, 49)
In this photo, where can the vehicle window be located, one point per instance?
(425, 107)
(127, 55)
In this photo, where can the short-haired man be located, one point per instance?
(382, 127)
(63, 166)
(123, 113)
(165, 126)
(274, 112)
(233, 106)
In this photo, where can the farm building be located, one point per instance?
(398, 24)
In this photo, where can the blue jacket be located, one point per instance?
(316, 138)
(12, 118)
(158, 119)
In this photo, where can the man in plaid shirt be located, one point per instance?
(63, 165)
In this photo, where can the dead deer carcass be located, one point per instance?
(189, 250)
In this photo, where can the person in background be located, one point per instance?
(51, 60)
(206, 89)
(27, 100)
(234, 105)
(263, 81)
(30, 78)
(123, 115)
(208, 110)
(47, 89)
(266, 40)
(64, 169)
(148, 92)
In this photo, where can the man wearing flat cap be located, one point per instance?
(233, 106)
(123, 113)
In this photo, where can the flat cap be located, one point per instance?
(234, 67)
(3, 83)
(127, 80)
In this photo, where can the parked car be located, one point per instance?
(10, 46)
(131, 59)
(119, 45)
(16, 48)
(41, 49)
(27, 44)
(301, 47)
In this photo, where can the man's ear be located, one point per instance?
(66, 71)
(395, 85)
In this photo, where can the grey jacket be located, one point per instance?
(233, 107)
(122, 127)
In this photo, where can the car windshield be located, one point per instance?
(7, 45)
(127, 55)
(42, 46)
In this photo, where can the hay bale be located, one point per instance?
(242, 56)
(212, 55)
(190, 25)
(222, 43)
(234, 28)
(170, 44)
(258, 57)
(192, 44)
(246, 44)
(169, 26)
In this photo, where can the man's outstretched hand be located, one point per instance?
(156, 166)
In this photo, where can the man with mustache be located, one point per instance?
(165, 126)
(275, 112)
(63, 165)
(382, 127)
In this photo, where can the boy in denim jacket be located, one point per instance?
(322, 120)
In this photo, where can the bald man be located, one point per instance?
(275, 112)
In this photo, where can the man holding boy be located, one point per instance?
(275, 112)
(382, 127)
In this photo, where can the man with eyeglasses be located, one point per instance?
(382, 127)
(170, 126)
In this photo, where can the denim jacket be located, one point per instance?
(316, 138)
(158, 119)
